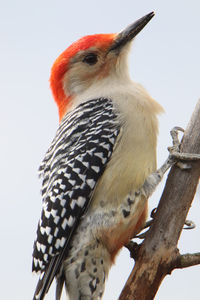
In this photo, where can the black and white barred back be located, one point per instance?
(70, 170)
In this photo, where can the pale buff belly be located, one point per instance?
(125, 174)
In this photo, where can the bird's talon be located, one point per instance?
(171, 160)
(174, 151)
(148, 224)
(141, 236)
(153, 213)
(176, 129)
(189, 225)
(174, 135)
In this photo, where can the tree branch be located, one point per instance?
(186, 260)
(158, 254)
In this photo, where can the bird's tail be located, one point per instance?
(46, 279)
(42, 287)
(59, 286)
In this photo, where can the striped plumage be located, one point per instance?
(70, 170)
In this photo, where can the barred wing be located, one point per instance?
(75, 161)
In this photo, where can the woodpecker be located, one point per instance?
(99, 170)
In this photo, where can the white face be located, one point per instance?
(93, 65)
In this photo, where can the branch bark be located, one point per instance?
(158, 254)
(187, 260)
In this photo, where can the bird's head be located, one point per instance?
(89, 60)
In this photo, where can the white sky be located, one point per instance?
(164, 58)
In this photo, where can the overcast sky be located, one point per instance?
(164, 58)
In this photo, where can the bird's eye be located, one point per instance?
(90, 59)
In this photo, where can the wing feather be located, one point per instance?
(73, 164)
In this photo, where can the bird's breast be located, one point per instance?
(133, 159)
(134, 154)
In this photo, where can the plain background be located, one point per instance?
(164, 58)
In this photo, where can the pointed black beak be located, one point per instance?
(130, 32)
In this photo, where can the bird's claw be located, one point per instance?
(147, 224)
(175, 154)
(153, 212)
(174, 150)
(189, 225)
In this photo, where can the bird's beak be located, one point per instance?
(130, 32)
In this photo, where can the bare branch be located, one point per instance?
(186, 260)
(159, 250)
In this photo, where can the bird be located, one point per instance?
(97, 172)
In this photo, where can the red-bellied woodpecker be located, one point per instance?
(96, 172)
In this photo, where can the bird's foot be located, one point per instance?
(187, 225)
(175, 157)
(134, 247)
(175, 153)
